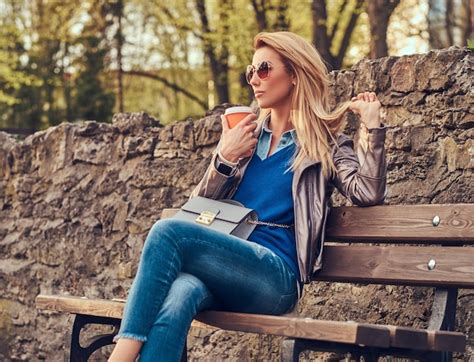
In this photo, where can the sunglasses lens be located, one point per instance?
(249, 74)
(263, 70)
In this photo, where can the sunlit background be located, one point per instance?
(64, 61)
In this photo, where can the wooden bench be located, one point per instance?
(431, 246)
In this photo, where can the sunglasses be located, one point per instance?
(263, 70)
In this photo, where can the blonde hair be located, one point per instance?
(315, 124)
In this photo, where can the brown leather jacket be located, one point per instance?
(361, 178)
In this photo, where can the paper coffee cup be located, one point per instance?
(235, 114)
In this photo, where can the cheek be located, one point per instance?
(278, 89)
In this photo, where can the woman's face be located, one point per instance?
(277, 86)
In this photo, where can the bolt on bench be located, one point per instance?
(433, 248)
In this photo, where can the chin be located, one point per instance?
(263, 104)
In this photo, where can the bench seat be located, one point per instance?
(306, 328)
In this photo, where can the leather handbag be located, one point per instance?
(226, 215)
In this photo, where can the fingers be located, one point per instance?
(248, 119)
(225, 123)
(244, 137)
(250, 128)
(248, 125)
(365, 96)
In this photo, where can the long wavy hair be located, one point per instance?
(315, 124)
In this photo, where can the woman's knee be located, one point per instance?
(163, 231)
(187, 295)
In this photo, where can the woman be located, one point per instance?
(284, 165)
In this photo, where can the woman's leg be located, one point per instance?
(241, 275)
(187, 296)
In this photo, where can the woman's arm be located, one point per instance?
(240, 140)
(361, 174)
(213, 185)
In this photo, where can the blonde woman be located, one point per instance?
(285, 165)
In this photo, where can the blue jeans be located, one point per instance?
(186, 268)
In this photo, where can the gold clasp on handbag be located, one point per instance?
(206, 217)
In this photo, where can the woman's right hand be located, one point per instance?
(240, 140)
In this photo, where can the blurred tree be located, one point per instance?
(117, 10)
(217, 52)
(324, 37)
(265, 9)
(12, 74)
(471, 22)
(449, 22)
(40, 33)
(173, 26)
(379, 12)
(92, 101)
(171, 59)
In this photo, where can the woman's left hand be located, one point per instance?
(367, 106)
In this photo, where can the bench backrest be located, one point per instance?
(430, 245)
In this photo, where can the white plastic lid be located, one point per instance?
(238, 109)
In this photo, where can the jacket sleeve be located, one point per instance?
(213, 185)
(361, 174)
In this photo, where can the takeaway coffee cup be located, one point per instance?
(235, 114)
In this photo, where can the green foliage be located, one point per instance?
(470, 44)
(92, 102)
(58, 58)
(12, 76)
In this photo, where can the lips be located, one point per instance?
(258, 94)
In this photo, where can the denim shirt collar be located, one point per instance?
(290, 133)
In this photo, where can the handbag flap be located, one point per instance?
(224, 210)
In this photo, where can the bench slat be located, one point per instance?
(348, 332)
(308, 328)
(80, 305)
(400, 265)
(403, 223)
(371, 335)
(397, 224)
(406, 337)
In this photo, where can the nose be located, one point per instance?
(255, 79)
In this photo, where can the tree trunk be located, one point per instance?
(66, 85)
(436, 24)
(282, 23)
(260, 14)
(379, 12)
(219, 65)
(450, 21)
(320, 34)
(469, 29)
(119, 55)
(323, 38)
(348, 33)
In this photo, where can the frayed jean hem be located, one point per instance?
(130, 336)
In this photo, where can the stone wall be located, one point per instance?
(77, 200)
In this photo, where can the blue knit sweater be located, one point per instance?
(266, 188)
